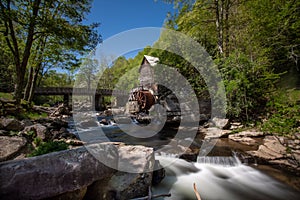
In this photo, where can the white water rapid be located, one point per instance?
(219, 178)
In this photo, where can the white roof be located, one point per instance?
(152, 60)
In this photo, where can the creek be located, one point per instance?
(222, 175)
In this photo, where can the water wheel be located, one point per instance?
(145, 99)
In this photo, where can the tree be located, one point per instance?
(6, 70)
(56, 25)
(86, 77)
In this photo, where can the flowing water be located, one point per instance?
(217, 177)
(223, 178)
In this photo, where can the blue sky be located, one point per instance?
(116, 16)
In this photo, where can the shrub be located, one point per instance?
(48, 147)
(284, 118)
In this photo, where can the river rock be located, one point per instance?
(4, 132)
(10, 146)
(236, 125)
(88, 123)
(60, 110)
(271, 149)
(273, 152)
(108, 112)
(57, 124)
(213, 132)
(244, 140)
(133, 179)
(40, 131)
(247, 134)
(74, 195)
(56, 173)
(26, 122)
(11, 124)
(245, 137)
(221, 123)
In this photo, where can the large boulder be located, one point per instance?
(56, 173)
(272, 151)
(133, 179)
(10, 146)
(88, 172)
(11, 124)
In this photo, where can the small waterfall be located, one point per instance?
(215, 180)
(225, 161)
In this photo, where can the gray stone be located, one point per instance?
(271, 149)
(213, 132)
(74, 195)
(4, 132)
(244, 140)
(248, 134)
(56, 173)
(26, 122)
(11, 124)
(130, 185)
(39, 130)
(236, 125)
(245, 137)
(221, 123)
(10, 146)
(88, 123)
(139, 161)
(135, 159)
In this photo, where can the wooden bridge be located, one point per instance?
(67, 92)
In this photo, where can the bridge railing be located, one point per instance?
(77, 91)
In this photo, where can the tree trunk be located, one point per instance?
(28, 85)
(21, 69)
(226, 27)
(218, 28)
(18, 87)
(38, 61)
(33, 83)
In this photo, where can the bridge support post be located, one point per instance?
(66, 99)
(98, 100)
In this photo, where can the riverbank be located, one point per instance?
(264, 152)
(259, 147)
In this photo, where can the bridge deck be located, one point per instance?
(77, 91)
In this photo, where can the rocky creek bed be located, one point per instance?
(264, 151)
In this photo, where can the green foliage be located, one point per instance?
(37, 141)
(248, 84)
(48, 147)
(35, 115)
(284, 109)
(56, 79)
(28, 114)
(31, 134)
(46, 105)
(86, 76)
(43, 34)
(13, 133)
(6, 69)
(5, 95)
